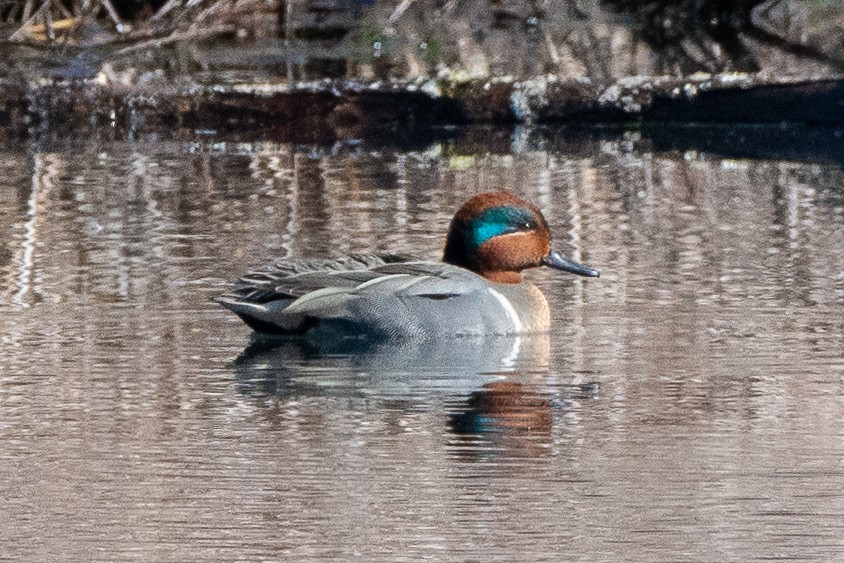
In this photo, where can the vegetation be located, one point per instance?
(141, 23)
(602, 39)
(712, 34)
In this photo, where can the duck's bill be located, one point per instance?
(560, 262)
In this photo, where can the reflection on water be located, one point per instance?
(687, 405)
(450, 366)
(490, 386)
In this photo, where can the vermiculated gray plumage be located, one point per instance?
(388, 296)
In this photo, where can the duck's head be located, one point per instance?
(497, 235)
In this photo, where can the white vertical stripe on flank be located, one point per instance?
(508, 308)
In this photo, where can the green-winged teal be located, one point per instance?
(477, 289)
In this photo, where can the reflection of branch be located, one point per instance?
(45, 171)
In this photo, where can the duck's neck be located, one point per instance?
(496, 276)
(502, 277)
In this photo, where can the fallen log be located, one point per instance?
(326, 110)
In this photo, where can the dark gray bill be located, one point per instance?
(560, 262)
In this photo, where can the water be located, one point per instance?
(687, 405)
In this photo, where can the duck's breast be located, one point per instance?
(527, 303)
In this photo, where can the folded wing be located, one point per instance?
(381, 295)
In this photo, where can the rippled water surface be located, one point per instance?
(687, 405)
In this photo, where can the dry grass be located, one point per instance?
(97, 22)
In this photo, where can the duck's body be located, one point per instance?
(385, 296)
(476, 290)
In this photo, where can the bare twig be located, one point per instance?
(64, 11)
(48, 21)
(45, 7)
(552, 48)
(210, 11)
(797, 49)
(168, 7)
(112, 13)
(27, 8)
(178, 36)
(400, 9)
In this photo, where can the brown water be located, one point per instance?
(688, 405)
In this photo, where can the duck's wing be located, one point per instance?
(294, 298)
(422, 280)
(289, 279)
(415, 299)
(353, 262)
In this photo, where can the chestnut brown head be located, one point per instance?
(498, 234)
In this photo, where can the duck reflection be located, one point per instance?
(516, 415)
(506, 414)
(415, 370)
(504, 405)
(492, 391)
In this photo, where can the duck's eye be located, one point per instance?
(528, 226)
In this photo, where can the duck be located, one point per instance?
(477, 289)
